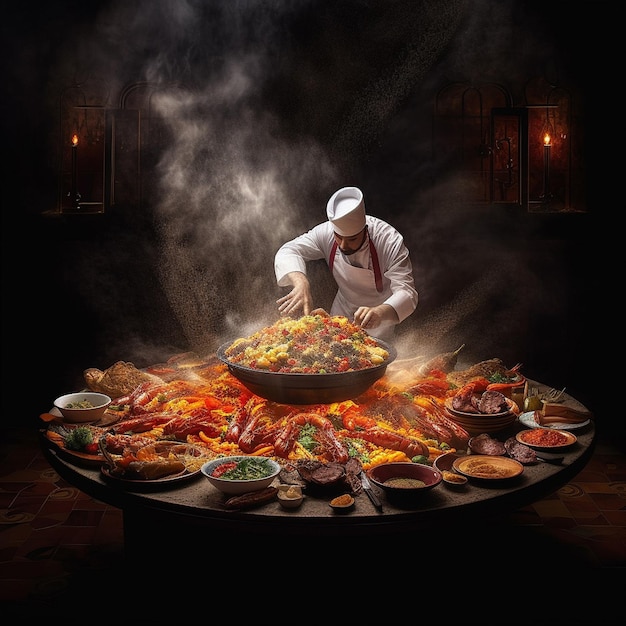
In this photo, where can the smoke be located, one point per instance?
(239, 175)
(264, 109)
(424, 35)
(225, 204)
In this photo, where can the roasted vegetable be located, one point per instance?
(78, 438)
(445, 362)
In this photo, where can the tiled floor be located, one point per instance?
(57, 543)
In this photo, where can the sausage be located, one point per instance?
(485, 444)
(460, 436)
(252, 498)
(520, 452)
(492, 402)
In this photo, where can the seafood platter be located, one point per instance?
(167, 420)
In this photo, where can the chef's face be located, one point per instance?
(349, 245)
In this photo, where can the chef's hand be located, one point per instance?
(371, 317)
(298, 298)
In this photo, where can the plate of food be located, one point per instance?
(546, 438)
(510, 407)
(161, 482)
(528, 419)
(476, 423)
(78, 443)
(155, 465)
(489, 468)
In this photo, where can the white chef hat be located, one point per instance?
(346, 211)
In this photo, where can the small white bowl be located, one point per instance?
(290, 496)
(99, 403)
(234, 487)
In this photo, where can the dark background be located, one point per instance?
(347, 86)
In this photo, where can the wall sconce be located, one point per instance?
(82, 129)
(74, 193)
(546, 137)
(547, 147)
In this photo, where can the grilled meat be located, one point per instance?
(483, 369)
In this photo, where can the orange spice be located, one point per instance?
(343, 500)
(545, 437)
(454, 478)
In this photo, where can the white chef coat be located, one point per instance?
(354, 274)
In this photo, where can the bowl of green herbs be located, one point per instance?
(241, 474)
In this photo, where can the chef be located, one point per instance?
(367, 258)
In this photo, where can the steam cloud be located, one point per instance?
(269, 108)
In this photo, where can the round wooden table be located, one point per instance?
(191, 510)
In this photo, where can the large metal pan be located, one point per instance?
(307, 388)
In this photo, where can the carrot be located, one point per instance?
(263, 451)
(204, 437)
(502, 387)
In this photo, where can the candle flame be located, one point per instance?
(546, 139)
(74, 140)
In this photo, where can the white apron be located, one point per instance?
(355, 290)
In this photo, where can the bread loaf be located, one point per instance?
(121, 379)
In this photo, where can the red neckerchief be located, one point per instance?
(377, 275)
